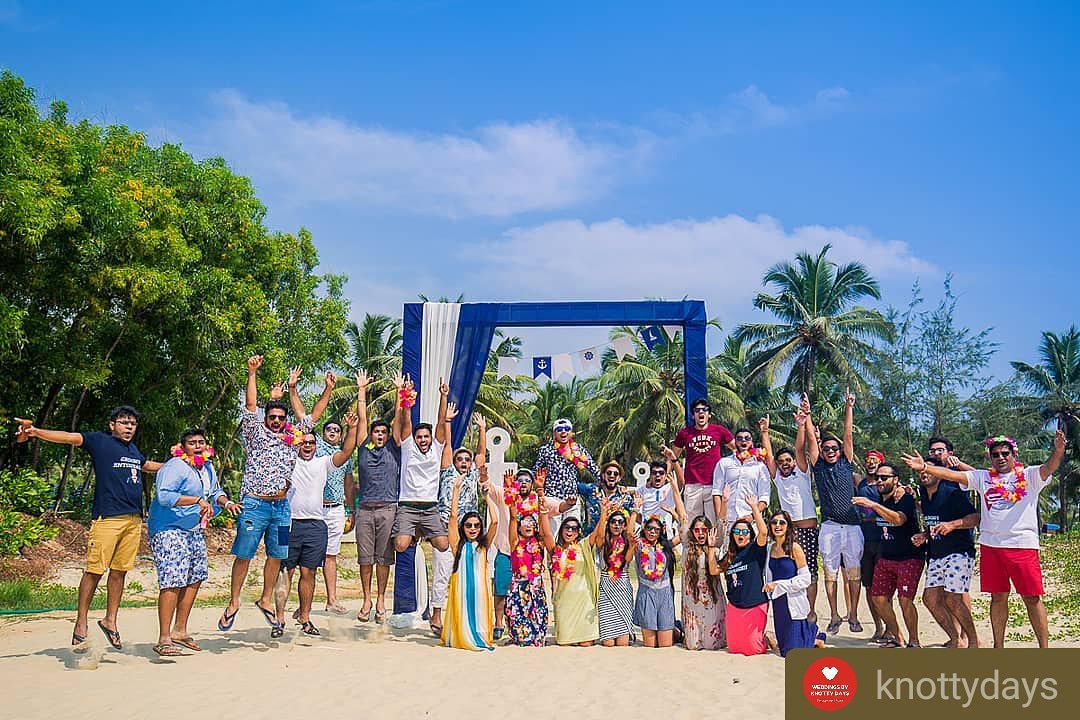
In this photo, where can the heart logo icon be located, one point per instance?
(829, 672)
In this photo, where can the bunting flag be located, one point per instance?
(542, 366)
(651, 336)
(623, 346)
(508, 367)
(561, 365)
(671, 330)
(589, 360)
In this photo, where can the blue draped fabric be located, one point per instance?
(405, 581)
(476, 330)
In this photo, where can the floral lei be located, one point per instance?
(563, 561)
(407, 397)
(528, 505)
(754, 452)
(998, 487)
(197, 460)
(571, 452)
(528, 558)
(659, 564)
(290, 435)
(616, 558)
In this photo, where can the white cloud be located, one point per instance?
(752, 108)
(501, 169)
(720, 259)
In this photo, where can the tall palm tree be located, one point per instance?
(375, 347)
(820, 325)
(1055, 386)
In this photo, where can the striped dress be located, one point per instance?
(470, 610)
(615, 605)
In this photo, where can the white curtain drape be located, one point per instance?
(438, 337)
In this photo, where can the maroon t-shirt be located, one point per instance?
(703, 451)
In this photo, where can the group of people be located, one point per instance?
(572, 526)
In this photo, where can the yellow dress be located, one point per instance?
(576, 620)
(469, 616)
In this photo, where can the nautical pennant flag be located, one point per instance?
(651, 336)
(623, 346)
(561, 364)
(508, 367)
(589, 359)
(542, 366)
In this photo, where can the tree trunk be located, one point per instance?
(42, 420)
(214, 403)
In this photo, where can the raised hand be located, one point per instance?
(479, 421)
(763, 424)
(800, 416)
(541, 478)
(398, 380)
(952, 461)
(331, 380)
(444, 389)
(277, 390)
(451, 411)
(362, 380)
(1059, 440)
(713, 536)
(849, 398)
(915, 462)
(294, 376)
(639, 502)
(23, 431)
(804, 404)
(668, 452)
(351, 419)
(543, 505)
(254, 363)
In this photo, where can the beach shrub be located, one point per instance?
(25, 491)
(18, 531)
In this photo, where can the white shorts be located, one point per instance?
(697, 499)
(952, 572)
(334, 516)
(838, 542)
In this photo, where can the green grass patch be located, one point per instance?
(31, 595)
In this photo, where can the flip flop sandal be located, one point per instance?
(364, 616)
(436, 630)
(834, 626)
(168, 650)
(380, 616)
(271, 618)
(891, 643)
(225, 622)
(854, 626)
(337, 609)
(189, 643)
(277, 631)
(309, 629)
(296, 614)
(111, 635)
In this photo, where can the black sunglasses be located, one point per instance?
(575, 528)
(275, 417)
(471, 526)
(1002, 454)
(883, 476)
(830, 448)
(702, 408)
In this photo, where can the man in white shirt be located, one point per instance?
(308, 534)
(746, 474)
(1009, 527)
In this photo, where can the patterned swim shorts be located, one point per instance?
(952, 572)
(180, 557)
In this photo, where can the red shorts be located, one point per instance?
(1020, 565)
(899, 576)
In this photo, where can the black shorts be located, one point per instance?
(870, 555)
(307, 544)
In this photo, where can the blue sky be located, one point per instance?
(563, 151)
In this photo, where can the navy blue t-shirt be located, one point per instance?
(746, 577)
(949, 503)
(835, 488)
(896, 539)
(870, 530)
(118, 488)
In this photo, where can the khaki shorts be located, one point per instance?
(374, 543)
(113, 544)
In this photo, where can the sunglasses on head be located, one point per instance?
(740, 531)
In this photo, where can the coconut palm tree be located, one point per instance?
(820, 324)
(375, 347)
(1054, 384)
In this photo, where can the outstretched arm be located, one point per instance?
(849, 425)
(549, 541)
(800, 440)
(916, 463)
(493, 499)
(362, 381)
(481, 441)
(597, 537)
(892, 517)
(1051, 465)
(446, 419)
(766, 444)
(324, 398)
(811, 434)
(759, 521)
(251, 390)
(53, 436)
(295, 401)
(441, 434)
(402, 427)
(342, 456)
(452, 531)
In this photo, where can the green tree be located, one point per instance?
(820, 325)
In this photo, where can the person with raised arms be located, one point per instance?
(609, 488)
(455, 464)
(703, 442)
(790, 475)
(615, 601)
(840, 540)
(421, 454)
(115, 512)
(271, 447)
(562, 460)
(337, 520)
(786, 580)
(654, 606)
(743, 565)
(470, 607)
(526, 606)
(1009, 527)
(574, 578)
(703, 600)
(746, 473)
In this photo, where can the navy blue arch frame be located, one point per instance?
(477, 323)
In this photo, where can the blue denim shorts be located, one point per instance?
(263, 520)
(502, 574)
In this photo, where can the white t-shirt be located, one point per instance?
(749, 477)
(795, 495)
(1006, 524)
(656, 499)
(308, 485)
(420, 472)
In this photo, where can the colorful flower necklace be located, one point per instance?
(290, 435)
(407, 397)
(754, 452)
(616, 557)
(197, 460)
(572, 453)
(563, 561)
(528, 505)
(1000, 489)
(655, 570)
(528, 558)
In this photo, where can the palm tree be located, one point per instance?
(819, 323)
(375, 347)
(1055, 386)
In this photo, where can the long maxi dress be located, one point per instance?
(615, 605)
(790, 633)
(469, 617)
(703, 618)
(576, 598)
(526, 601)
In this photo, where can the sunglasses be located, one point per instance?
(699, 530)
(306, 443)
(652, 528)
(885, 476)
(1001, 454)
(572, 528)
(658, 471)
(471, 526)
(563, 428)
(612, 473)
(702, 409)
(779, 521)
(333, 429)
(740, 531)
(830, 448)
(616, 521)
(275, 417)
(744, 438)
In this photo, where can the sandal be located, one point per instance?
(380, 616)
(77, 641)
(276, 632)
(337, 609)
(309, 629)
(112, 636)
(270, 617)
(854, 626)
(834, 626)
(168, 650)
(225, 622)
(436, 630)
(363, 616)
(890, 643)
(188, 642)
